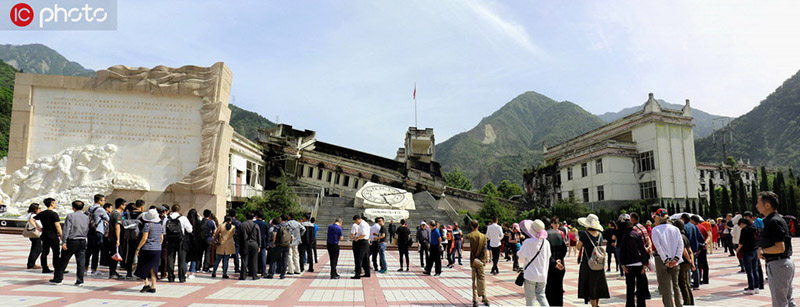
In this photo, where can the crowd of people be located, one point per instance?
(146, 243)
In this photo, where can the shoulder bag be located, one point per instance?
(521, 277)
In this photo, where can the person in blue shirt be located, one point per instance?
(434, 255)
(696, 243)
(334, 236)
(314, 242)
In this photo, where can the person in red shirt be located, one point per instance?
(714, 236)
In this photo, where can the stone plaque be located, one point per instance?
(160, 131)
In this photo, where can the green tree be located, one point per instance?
(508, 189)
(458, 180)
(778, 188)
(712, 199)
(726, 201)
(494, 208)
(753, 194)
(490, 190)
(281, 200)
(742, 196)
(792, 202)
(734, 192)
(764, 180)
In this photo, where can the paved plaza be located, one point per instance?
(22, 287)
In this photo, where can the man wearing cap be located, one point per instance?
(775, 247)
(359, 233)
(668, 251)
(477, 262)
(423, 238)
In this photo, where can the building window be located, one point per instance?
(747, 176)
(571, 195)
(646, 161)
(302, 170)
(648, 190)
(598, 166)
(310, 172)
(346, 181)
(330, 177)
(586, 195)
(569, 173)
(560, 197)
(702, 187)
(601, 195)
(337, 178)
(702, 174)
(319, 174)
(584, 170)
(355, 183)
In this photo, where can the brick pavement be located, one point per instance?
(21, 287)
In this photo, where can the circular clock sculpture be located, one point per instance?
(383, 195)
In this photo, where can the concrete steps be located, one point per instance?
(332, 207)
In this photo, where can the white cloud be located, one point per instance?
(512, 30)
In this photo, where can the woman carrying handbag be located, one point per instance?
(535, 253)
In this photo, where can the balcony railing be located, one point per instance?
(244, 190)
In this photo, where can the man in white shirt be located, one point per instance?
(373, 244)
(494, 233)
(359, 233)
(668, 246)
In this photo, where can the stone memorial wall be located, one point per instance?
(159, 134)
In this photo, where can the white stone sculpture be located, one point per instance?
(75, 173)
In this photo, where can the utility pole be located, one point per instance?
(724, 124)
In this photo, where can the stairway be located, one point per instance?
(332, 207)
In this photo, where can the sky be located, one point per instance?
(347, 69)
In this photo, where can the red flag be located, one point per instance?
(415, 91)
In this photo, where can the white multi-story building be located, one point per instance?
(245, 169)
(646, 155)
(718, 174)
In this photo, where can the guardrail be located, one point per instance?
(244, 190)
(316, 192)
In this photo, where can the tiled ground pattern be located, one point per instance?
(21, 287)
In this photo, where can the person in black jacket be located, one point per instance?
(250, 237)
(554, 289)
(634, 259)
(403, 237)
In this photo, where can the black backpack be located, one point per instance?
(92, 221)
(174, 229)
(205, 230)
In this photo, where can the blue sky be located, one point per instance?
(347, 68)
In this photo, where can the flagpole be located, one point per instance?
(415, 105)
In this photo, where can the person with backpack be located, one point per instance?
(98, 222)
(131, 228)
(178, 228)
(633, 260)
(282, 242)
(297, 237)
(272, 257)
(306, 247)
(592, 284)
(207, 230)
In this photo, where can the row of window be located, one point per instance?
(601, 195)
(719, 175)
(330, 177)
(598, 166)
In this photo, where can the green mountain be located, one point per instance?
(247, 123)
(767, 135)
(6, 97)
(40, 59)
(503, 144)
(703, 125)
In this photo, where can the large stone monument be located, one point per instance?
(159, 134)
